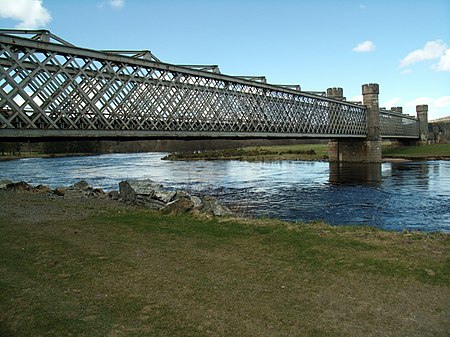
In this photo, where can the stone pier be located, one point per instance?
(398, 109)
(365, 150)
(422, 116)
(336, 93)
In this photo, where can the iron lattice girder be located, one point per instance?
(48, 86)
(398, 125)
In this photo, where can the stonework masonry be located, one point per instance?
(355, 150)
(439, 131)
(422, 116)
(336, 93)
(398, 109)
(370, 100)
(352, 150)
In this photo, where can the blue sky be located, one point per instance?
(404, 46)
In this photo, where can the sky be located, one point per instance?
(402, 45)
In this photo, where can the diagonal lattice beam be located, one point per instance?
(52, 89)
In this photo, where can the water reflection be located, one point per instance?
(417, 171)
(355, 173)
(411, 175)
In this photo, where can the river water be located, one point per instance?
(392, 196)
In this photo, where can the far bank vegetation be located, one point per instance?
(293, 152)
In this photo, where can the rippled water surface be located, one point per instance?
(411, 195)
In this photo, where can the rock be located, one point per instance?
(97, 193)
(197, 201)
(179, 206)
(147, 201)
(126, 192)
(163, 196)
(145, 192)
(212, 206)
(179, 194)
(145, 187)
(153, 195)
(81, 185)
(20, 186)
(114, 195)
(60, 191)
(4, 182)
(42, 189)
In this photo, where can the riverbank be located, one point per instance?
(98, 267)
(259, 153)
(306, 152)
(422, 152)
(309, 152)
(25, 155)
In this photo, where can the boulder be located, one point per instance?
(42, 189)
(145, 192)
(153, 195)
(197, 201)
(81, 185)
(212, 206)
(179, 206)
(60, 191)
(164, 196)
(126, 192)
(140, 194)
(20, 186)
(4, 182)
(179, 194)
(147, 201)
(97, 193)
(114, 195)
(145, 187)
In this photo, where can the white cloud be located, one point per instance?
(406, 72)
(117, 3)
(442, 102)
(31, 14)
(444, 62)
(434, 104)
(364, 47)
(437, 107)
(419, 101)
(392, 102)
(431, 51)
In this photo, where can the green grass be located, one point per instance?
(259, 153)
(419, 152)
(141, 273)
(308, 152)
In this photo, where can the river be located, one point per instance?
(391, 196)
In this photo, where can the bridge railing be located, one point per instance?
(59, 88)
(398, 125)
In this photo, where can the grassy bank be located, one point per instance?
(84, 268)
(278, 152)
(429, 151)
(310, 152)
